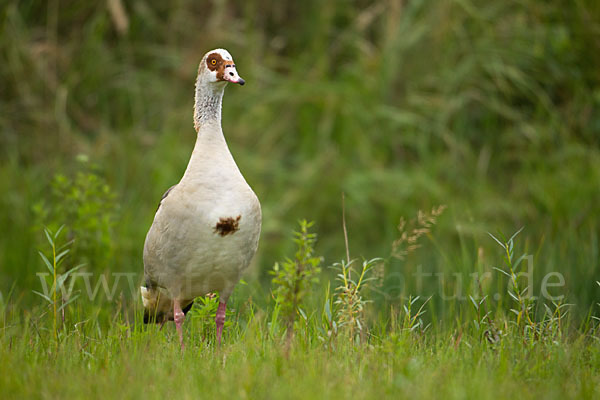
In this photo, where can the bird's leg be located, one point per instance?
(178, 317)
(220, 321)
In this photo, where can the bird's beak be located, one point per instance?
(230, 75)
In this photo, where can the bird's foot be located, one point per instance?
(220, 321)
(178, 317)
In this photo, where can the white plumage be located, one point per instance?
(206, 229)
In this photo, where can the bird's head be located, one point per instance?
(217, 66)
(158, 307)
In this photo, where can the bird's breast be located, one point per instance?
(204, 236)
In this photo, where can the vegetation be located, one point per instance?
(332, 355)
(293, 278)
(489, 108)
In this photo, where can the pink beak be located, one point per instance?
(230, 75)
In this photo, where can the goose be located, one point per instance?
(206, 228)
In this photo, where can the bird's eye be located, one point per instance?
(213, 61)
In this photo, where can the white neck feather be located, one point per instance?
(211, 149)
(207, 104)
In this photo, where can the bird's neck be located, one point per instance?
(211, 148)
(207, 106)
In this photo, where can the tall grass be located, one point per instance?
(115, 355)
(492, 109)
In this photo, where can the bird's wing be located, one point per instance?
(164, 196)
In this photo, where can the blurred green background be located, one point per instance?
(491, 108)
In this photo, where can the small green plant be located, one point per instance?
(484, 325)
(348, 298)
(329, 328)
(85, 204)
(203, 313)
(293, 277)
(58, 254)
(412, 320)
(551, 326)
(548, 328)
(524, 303)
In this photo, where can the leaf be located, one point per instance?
(474, 302)
(548, 310)
(50, 267)
(74, 269)
(61, 255)
(302, 313)
(70, 242)
(516, 233)
(369, 279)
(516, 264)
(497, 241)
(501, 270)
(63, 277)
(328, 311)
(58, 231)
(48, 236)
(72, 299)
(43, 295)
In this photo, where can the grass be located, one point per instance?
(490, 109)
(97, 360)
(339, 349)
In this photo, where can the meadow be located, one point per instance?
(447, 154)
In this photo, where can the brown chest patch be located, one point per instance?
(225, 226)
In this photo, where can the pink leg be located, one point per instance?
(220, 321)
(178, 317)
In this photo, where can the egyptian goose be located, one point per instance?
(206, 228)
